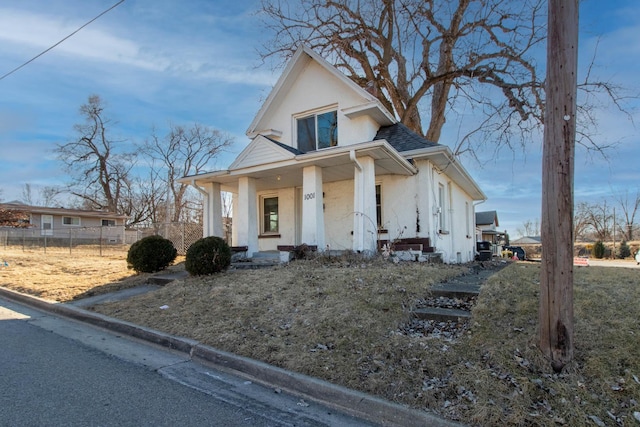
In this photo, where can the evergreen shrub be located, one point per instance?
(598, 250)
(208, 255)
(151, 254)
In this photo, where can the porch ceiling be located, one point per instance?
(336, 165)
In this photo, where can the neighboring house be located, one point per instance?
(329, 166)
(527, 240)
(487, 225)
(61, 222)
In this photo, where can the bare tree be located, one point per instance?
(581, 221)
(100, 172)
(184, 151)
(530, 228)
(432, 58)
(629, 210)
(48, 195)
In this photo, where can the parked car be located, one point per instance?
(517, 251)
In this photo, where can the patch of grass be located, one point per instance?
(341, 320)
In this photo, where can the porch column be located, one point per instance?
(245, 221)
(212, 215)
(365, 228)
(312, 207)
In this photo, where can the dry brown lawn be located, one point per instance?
(344, 320)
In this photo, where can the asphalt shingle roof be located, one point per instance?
(286, 147)
(402, 138)
(487, 217)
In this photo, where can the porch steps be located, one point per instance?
(265, 259)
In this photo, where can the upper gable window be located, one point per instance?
(317, 131)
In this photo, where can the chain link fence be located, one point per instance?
(181, 234)
(96, 240)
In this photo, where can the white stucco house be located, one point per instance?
(329, 166)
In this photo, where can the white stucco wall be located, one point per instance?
(316, 89)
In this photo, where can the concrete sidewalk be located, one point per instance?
(354, 403)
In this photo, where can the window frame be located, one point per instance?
(442, 208)
(109, 222)
(298, 118)
(71, 218)
(379, 221)
(264, 221)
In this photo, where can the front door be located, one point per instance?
(46, 227)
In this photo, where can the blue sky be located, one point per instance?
(156, 62)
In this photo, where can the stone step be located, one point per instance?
(253, 265)
(441, 314)
(455, 290)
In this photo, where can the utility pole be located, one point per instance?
(556, 274)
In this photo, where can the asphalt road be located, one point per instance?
(55, 371)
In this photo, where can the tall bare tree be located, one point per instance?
(629, 211)
(184, 151)
(100, 171)
(427, 59)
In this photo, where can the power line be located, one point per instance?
(70, 35)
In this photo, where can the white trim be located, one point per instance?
(71, 218)
(263, 197)
(297, 65)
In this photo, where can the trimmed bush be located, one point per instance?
(208, 255)
(598, 250)
(624, 251)
(151, 254)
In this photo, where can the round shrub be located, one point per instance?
(598, 250)
(151, 254)
(207, 256)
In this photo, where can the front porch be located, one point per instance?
(325, 199)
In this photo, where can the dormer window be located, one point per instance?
(317, 131)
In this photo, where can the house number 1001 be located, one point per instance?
(310, 196)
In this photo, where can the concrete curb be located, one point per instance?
(349, 401)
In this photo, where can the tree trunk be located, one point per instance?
(556, 276)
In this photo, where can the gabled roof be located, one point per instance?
(402, 138)
(295, 66)
(487, 218)
(263, 150)
(527, 240)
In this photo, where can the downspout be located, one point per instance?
(352, 156)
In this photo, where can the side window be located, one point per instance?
(379, 206)
(70, 220)
(108, 222)
(441, 208)
(317, 131)
(270, 215)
